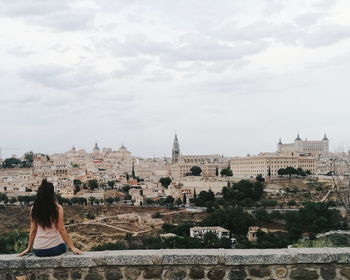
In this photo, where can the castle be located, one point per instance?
(304, 147)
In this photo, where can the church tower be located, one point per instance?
(176, 150)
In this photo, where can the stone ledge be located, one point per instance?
(173, 257)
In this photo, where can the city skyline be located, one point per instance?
(169, 154)
(230, 79)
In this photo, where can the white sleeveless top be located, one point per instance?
(47, 238)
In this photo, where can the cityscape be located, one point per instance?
(174, 140)
(155, 194)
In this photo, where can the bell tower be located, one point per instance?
(176, 150)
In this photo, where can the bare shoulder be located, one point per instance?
(60, 208)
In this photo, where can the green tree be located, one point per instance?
(3, 197)
(110, 200)
(28, 159)
(260, 178)
(178, 201)
(92, 200)
(111, 183)
(217, 171)
(133, 171)
(169, 200)
(232, 218)
(77, 185)
(12, 163)
(126, 188)
(243, 190)
(196, 171)
(165, 181)
(93, 184)
(226, 172)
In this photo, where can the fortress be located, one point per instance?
(304, 147)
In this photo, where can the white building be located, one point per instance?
(300, 146)
(199, 232)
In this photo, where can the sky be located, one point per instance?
(230, 77)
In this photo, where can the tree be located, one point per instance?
(13, 200)
(281, 172)
(260, 178)
(178, 201)
(207, 195)
(196, 171)
(268, 203)
(149, 201)
(111, 183)
(217, 171)
(165, 181)
(3, 197)
(92, 200)
(233, 218)
(126, 188)
(11, 163)
(127, 176)
(184, 199)
(28, 159)
(93, 184)
(226, 172)
(169, 200)
(110, 200)
(77, 185)
(133, 171)
(243, 191)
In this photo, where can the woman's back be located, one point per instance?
(47, 237)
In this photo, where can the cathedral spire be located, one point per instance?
(298, 137)
(176, 150)
(325, 137)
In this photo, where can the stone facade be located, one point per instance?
(246, 167)
(209, 264)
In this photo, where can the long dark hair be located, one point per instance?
(45, 211)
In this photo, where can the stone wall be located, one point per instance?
(213, 264)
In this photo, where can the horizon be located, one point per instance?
(168, 155)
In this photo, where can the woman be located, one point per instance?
(48, 237)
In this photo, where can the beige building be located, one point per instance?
(247, 167)
(306, 147)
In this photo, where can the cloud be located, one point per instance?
(311, 35)
(189, 48)
(61, 77)
(59, 15)
(326, 35)
(131, 67)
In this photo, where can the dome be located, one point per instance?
(123, 148)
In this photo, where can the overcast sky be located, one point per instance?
(230, 77)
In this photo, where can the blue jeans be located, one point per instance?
(50, 252)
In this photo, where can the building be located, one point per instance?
(269, 164)
(199, 232)
(182, 164)
(252, 234)
(96, 149)
(306, 147)
(176, 150)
